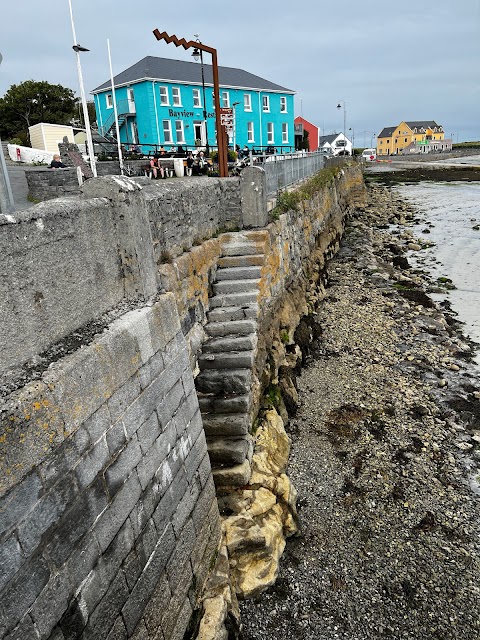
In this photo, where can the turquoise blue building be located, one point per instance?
(164, 102)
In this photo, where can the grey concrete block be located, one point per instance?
(157, 605)
(25, 630)
(185, 508)
(100, 622)
(99, 580)
(98, 423)
(117, 473)
(123, 397)
(226, 424)
(185, 544)
(19, 502)
(141, 633)
(76, 522)
(61, 461)
(229, 451)
(22, 591)
(83, 559)
(133, 609)
(154, 461)
(176, 620)
(92, 463)
(170, 403)
(118, 511)
(231, 344)
(237, 312)
(188, 382)
(116, 437)
(204, 471)
(144, 508)
(147, 542)
(118, 631)
(238, 272)
(203, 506)
(51, 604)
(227, 287)
(11, 559)
(170, 499)
(233, 300)
(132, 568)
(195, 456)
(148, 432)
(48, 510)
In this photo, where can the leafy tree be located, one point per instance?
(31, 102)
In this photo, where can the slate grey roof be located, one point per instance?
(330, 138)
(387, 132)
(425, 124)
(165, 69)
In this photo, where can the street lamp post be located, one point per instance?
(222, 147)
(77, 48)
(352, 129)
(339, 106)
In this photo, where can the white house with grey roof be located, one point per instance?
(163, 102)
(337, 144)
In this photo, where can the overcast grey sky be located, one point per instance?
(388, 60)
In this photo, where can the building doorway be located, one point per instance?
(199, 132)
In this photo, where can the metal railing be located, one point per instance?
(284, 170)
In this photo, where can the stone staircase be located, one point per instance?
(227, 361)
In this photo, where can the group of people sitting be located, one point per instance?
(193, 165)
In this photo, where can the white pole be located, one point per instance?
(117, 128)
(91, 152)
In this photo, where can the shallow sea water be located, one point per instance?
(453, 209)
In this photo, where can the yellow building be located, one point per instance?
(416, 136)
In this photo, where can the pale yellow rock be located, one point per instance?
(212, 625)
(263, 502)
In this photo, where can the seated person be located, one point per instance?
(156, 168)
(190, 161)
(56, 163)
(202, 162)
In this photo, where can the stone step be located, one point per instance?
(236, 476)
(244, 236)
(232, 328)
(233, 299)
(229, 450)
(224, 314)
(224, 381)
(229, 345)
(236, 360)
(226, 424)
(228, 404)
(256, 260)
(242, 249)
(235, 286)
(238, 273)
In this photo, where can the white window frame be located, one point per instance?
(283, 104)
(250, 132)
(270, 133)
(225, 100)
(284, 132)
(164, 100)
(266, 104)
(179, 132)
(176, 97)
(109, 100)
(247, 102)
(167, 131)
(197, 98)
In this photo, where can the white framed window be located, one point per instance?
(164, 96)
(197, 100)
(250, 132)
(225, 100)
(266, 104)
(176, 97)
(179, 134)
(284, 132)
(167, 131)
(270, 133)
(109, 101)
(247, 102)
(283, 104)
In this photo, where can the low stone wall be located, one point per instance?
(109, 519)
(45, 183)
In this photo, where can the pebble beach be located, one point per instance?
(385, 449)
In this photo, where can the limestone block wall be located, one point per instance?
(109, 522)
(45, 183)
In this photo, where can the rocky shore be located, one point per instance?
(384, 451)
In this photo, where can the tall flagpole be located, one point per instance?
(117, 128)
(76, 48)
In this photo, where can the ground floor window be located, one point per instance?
(250, 135)
(284, 132)
(167, 132)
(179, 134)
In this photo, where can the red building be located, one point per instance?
(302, 125)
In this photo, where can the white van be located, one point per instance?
(370, 155)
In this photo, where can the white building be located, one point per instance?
(337, 144)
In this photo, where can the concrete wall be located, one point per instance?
(45, 183)
(109, 518)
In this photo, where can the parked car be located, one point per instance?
(370, 155)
